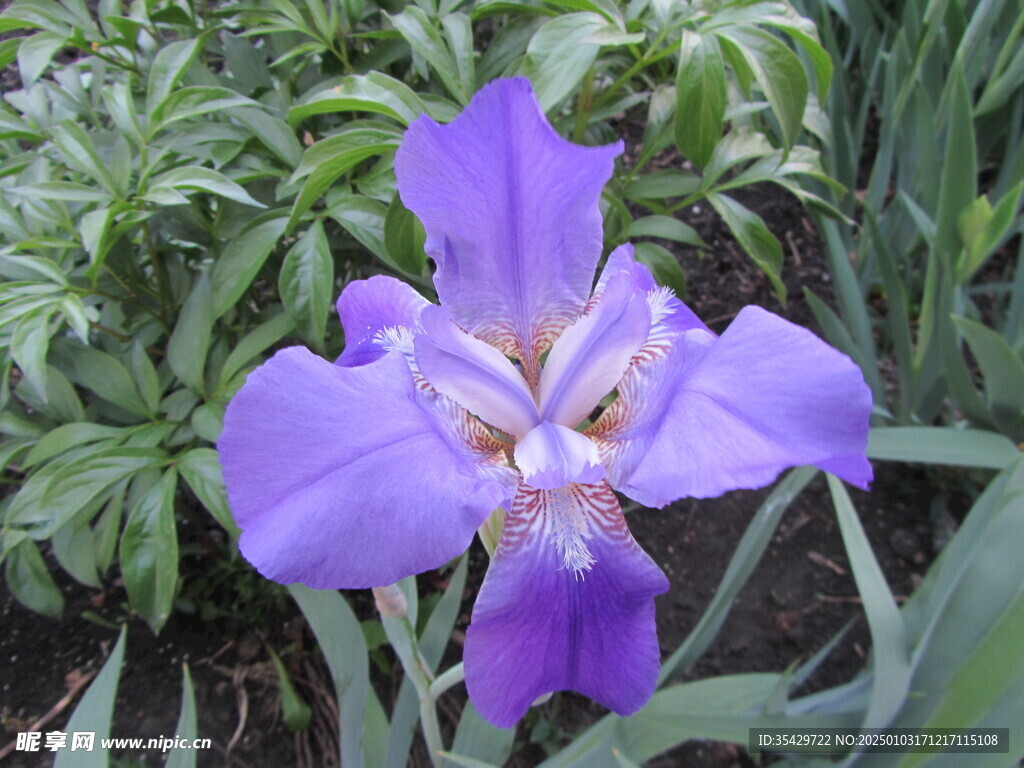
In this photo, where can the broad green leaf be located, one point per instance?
(404, 238)
(254, 344)
(145, 376)
(663, 266)
(660, 185)
(891, 668)
(68, 436)
(107, 377)
(666, 228)
(29, 345)
(752, 233)
(778, 71)
(276, 135)
(35, 54)
(296, 711)
(421, 35)
(198, 178)
(458, 33)
(169, 65)
(80, 153)
(65, 490)
(201, 469)
(363, 218)
(373, 92)
(193, 101)
(187, 728)
(701, 96)
(30, 581)
(149, 552)
(334, 157)
(242, 258)
(559, 55)
(74, 550)
(190, 341)
(306, 284)
(95, 714)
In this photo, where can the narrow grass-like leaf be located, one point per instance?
(942, 445)
(187, 728)
(95, 714)
(890, 652)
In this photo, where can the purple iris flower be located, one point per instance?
(383, 464)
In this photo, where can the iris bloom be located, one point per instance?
(383, 464)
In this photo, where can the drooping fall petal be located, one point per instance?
(350, 477)
(539, 625)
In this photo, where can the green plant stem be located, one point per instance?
(583, 105)
(628, 75)
(450, 677)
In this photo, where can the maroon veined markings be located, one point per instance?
(567, 517)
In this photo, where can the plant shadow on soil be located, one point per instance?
(800, 595)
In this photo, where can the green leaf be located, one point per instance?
(297, 713)
(149, 552)
(254, 343)
(107, 377)
(68, 436)
(331, 158)
(306, 284)
(959, 173)
(30, 581)
(663, 266)
(242, 258)
(404, 238)
(198, 178)
(559, 55)
(340, 636)
(67, 490)
(190, 341)
(363, 218)
(701, 96)
(145, 376)
(985, 241)
(1002, 370)
(276, 135)
(373, 92)
(890, 649)
(80, 153)
(666, 228)
(201, 469)
(752, 233)
(74, 550)
(941, 445)
(187, 728)
(29, 345)
(95, 714)
(479, 741)
(35, 54)
(421, 35)
(778, 71)
(169, 65)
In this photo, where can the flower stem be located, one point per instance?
(447, 679)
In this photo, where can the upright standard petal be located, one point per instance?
(370, 308)
(474, 374)
(350, 477)
(717, 414)
(587, 361)
(541, 625)
(511, 214)
(552, 455)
